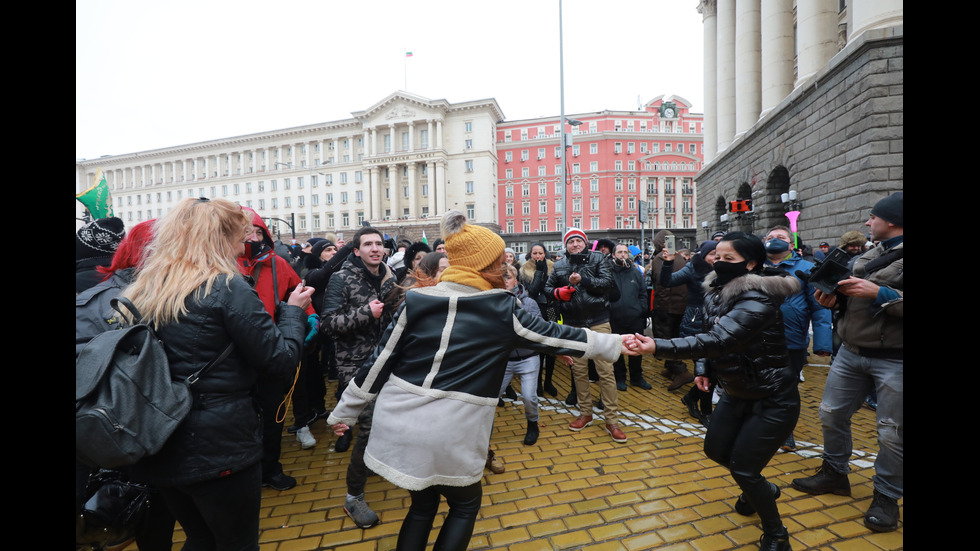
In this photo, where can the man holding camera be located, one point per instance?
(871, 357)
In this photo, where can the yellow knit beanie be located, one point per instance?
(467, 245)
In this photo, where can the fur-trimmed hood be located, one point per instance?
(775, 285)
(529, 267)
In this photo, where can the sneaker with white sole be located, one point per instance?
(305, 438)
(362, 515)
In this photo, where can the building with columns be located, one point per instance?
(399, 164)
(803, 112)
(618, 161)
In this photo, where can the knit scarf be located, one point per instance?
(465, 276)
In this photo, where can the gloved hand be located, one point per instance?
(564, 294)
(313, 321)
(541, 265)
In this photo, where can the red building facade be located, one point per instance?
(618, 161)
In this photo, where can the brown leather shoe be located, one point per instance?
(681, 379)
(495, 465)
(617, 433)
(580, 423)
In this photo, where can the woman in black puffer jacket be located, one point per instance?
(744, 345)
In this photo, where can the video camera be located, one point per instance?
(827, 272)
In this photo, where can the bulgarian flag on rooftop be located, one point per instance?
(408, 54)
(96, 198)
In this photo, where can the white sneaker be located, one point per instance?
(305, 439)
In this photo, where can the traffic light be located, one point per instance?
(740, 205)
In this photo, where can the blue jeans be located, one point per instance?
(527, 369)
(852, 377)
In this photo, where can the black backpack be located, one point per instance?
(126, 404)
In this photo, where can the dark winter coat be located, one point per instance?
(629, 313)
(223, 432)
(743, 338)
(346, 314)
(589, 304)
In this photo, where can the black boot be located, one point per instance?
(882, 516)
(775, 541)
(743, 507)
(549, 371)
(825, 481)
(572, 394)
(532, 433)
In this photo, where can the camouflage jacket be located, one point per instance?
(346, 312)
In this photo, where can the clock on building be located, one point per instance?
(668, 110)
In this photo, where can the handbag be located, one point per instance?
(113, 510)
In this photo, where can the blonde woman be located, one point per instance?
(191, 291)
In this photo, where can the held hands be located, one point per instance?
(567, 360)
(564, 294)
(643, 345)
(301, 296)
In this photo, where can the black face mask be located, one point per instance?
(254, 248)
(728, 271)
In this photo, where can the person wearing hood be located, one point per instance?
(668, 308)
(692, 275)
(273, 280)
(628, 314)
(744, 345)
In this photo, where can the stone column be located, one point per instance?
(748, 59)
(441, 185)
(413, 197)
(726, 74)
(816, 31)
(431, 180)
(873, 14)
(777, 52)
(708, 10)
(374, 194)
(394, 196)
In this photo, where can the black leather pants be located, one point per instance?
(744, 435)
(464, 504)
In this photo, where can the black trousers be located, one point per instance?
(220, 514)
(464, 504)
(744, 435)
(270, 392)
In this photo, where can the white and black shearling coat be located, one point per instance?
(436, 376)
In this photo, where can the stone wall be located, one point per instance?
(837, 141)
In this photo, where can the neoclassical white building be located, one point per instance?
(802, 98)
(398, 164)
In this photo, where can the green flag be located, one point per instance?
(96, 198)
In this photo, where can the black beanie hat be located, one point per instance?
(891, 208)
(100, 237)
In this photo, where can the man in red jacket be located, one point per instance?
(273, 279)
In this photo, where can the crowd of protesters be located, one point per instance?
(415, 334)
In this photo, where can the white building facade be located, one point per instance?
(398, 164)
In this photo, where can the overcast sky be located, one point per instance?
(157, 74)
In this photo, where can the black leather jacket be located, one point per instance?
(743, 341)
(590, 303)
(222, 434)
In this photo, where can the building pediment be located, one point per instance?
(401, 107)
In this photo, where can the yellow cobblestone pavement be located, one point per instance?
(582, 491)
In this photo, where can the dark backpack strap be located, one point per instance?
(116, 301)
(883, 260)
(190, 380)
